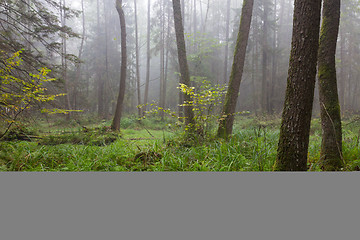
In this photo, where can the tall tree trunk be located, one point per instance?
(342, 69)
(148, 56)
(195, 27)
(265, 77)
(227, 115)
(184, 69)
(78, 65)
(274, 60)
(106, 98)
(206, 16)
(64, 63)
(137, 60)
(227, 40)
(331, 145)
(295, 126)
(119, 106)
(162, 59)
(100, 82)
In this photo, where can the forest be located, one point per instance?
(179, 85)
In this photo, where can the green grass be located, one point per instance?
(155, 146)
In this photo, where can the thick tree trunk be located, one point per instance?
(331, 145)
(119, 106)
(227, 115)
(295, 126)
(184, 69)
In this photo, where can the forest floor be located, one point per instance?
(154, 145)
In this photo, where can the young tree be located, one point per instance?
(331, 145)
(227, 115)
(295, 126)
(119, 106)
(184, 69)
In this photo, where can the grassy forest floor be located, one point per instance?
(154, 145)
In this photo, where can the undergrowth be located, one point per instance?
(152, 145)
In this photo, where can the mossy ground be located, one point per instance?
(153, 145)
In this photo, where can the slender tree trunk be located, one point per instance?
(265, 77)
(331, 145)
(137, 61)
(295, 126)
(64, 61)
(206, 16)
(148, 56)
(78, 65)
(167, 55)
(162, 59)
(100, 82)
(119, 106)
(274, 60)
(227, 40)
(195, 27)
(184, 69)
(106, 98)
(227, 116)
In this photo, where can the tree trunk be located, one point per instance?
(137, 61)
(100, 82)
(78, 65)
(331, 145)
(106, 84)
(64, 63)
(119, 106)
(148, 57)
(295, 126)
(264, 63)
(227, 41)
(227, 115)
(162, 59)
(342, 69)
(184, 69)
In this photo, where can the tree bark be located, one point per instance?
(119, 106)
(331, 145)
(184, 68)
(295, 126)
(227, 116)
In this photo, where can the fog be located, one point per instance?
(210, 33)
